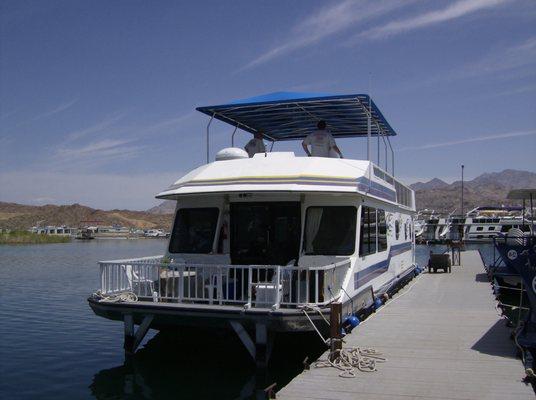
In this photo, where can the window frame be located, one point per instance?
(304, 237)
(215, 231)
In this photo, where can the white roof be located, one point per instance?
(282, 172)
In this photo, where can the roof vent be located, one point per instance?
(231, 153)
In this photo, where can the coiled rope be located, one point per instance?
(351, 360)
(116, 297)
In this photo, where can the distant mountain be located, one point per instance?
(435, 183)
(487, 189)
(19, 216)
(166, 207)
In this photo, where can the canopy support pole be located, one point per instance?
(232, 137)
(392, 157)
(368, 133)
(378, 150)
(208, 137)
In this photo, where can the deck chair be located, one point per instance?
(140, 285)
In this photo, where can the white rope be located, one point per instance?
(117, 297)
(351, 360)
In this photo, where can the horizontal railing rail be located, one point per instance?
(262, 286)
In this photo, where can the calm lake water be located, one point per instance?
(53, 346)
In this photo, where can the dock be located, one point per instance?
(443, 339)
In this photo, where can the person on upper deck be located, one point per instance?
(321, 142)
(255, 145)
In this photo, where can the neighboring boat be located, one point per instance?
(62, 230)
(430, 227)
(85, 234)
(482, 224)
(514, 270)
(108, 231)
(266, 244)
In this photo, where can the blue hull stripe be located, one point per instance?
(375, 270)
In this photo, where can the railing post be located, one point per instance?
(277, 291)
(181, 284)
(219, 285)
(250, 283)
(316, 286)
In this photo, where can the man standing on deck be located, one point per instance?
(321, 142)
(255, 145)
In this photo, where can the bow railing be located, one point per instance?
(157, 279)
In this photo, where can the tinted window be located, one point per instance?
(479, 228)
(330, 230)
(368, 231)
(193, 230)
(382, 230)
(397, 229)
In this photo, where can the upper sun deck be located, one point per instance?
(284, 172)
(292, 116)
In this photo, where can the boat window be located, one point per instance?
(330, 230)
(405, 231)
(506, 228)
(193, 230)
(382, 230)
(266, 233)
(397, 229)
(379, 173)
(479, 228)
(367, 243)
(491, 228)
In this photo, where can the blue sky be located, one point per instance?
(97, 98)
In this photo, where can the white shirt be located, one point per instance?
(255, 146)
(321, 143)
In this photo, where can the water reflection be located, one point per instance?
(203, 365)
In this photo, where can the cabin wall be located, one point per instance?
(376, 269)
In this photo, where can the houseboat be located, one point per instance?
(265, 244)
(482, 224)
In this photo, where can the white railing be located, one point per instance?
(262, 286)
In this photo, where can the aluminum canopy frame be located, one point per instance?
(292, 116)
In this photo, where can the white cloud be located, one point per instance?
(455, 10)
(511, 57)
(106, 191)
(57, 109)
(470, 140)
(95, 128)
(327, 22)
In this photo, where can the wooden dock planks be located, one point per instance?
(443, 339)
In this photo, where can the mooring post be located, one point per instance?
(335, 328)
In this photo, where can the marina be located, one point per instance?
(443, 339)
(259, 200)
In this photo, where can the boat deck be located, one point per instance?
(443, 339)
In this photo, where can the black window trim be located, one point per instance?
(216, 229)
(357, 216)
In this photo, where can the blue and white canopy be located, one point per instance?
(291, 116)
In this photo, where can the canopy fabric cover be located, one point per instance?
(520, 194)
(291, 116)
